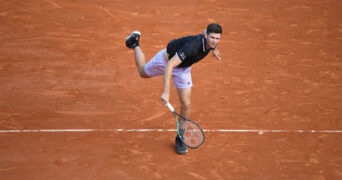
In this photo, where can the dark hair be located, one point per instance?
(214, 28)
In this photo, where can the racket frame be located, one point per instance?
(171, 108)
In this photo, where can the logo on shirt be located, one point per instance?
(181, 55)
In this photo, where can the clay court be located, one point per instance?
(72, 105)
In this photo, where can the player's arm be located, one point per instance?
(216, 53)
(172, 63)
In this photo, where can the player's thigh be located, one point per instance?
(156, 66)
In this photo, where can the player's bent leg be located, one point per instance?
(132, 42)
(140, 61)
(184, 95)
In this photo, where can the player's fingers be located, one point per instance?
(218, 57)
(163, 100)
(216, 53)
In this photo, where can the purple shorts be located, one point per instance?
(181, 76)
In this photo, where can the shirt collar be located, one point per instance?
(204, 43)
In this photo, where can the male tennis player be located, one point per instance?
(175, 61)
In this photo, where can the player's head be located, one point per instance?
(214, 28)
(213, 34)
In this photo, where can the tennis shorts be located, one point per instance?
(181, 75)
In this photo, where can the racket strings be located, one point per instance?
(191, 133)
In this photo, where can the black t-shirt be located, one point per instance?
(190, 49)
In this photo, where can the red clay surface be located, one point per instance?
(64, 65)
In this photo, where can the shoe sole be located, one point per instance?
(182, 152)
(134, 32)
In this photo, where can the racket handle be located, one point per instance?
(170, 107)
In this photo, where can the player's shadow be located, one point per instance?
(172, 148)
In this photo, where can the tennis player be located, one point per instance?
(175, 61)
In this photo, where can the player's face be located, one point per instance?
(212, 39)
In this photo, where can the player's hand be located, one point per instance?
(165, 98)
(216, 53)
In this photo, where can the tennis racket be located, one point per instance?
(188, 131)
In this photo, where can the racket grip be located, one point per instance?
(170, 107)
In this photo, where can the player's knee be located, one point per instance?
(142, 73)
(186, 105)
